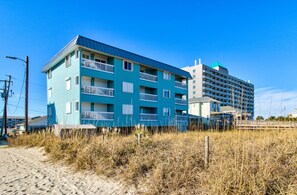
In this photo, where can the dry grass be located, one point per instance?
(241, 162)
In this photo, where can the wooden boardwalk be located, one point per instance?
(262, 125)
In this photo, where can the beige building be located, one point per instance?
(215, 82)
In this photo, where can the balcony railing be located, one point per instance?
(148, 77)
(181, 85)
(181, 101)
(97, 65)
(181, 118)
(101, 91)
(92, 115)
(148, 97)
(148, 117)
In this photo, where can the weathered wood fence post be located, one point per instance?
(206, 159)
(139, 135)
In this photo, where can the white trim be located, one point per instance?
(132, 65)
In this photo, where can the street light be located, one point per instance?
(27, 87)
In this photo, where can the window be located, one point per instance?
(49, 74)
(166, 93)
(166, 75)
(128, 66)
(68, 83)
(127, 109)
(194, 92)
(50, 112)
(166, 112)
(68, 107)
(76, 54)
(86, 56)
(127, 87)
(194, 81)
(101, 61)
(194, 71)
(67, 61)
(77, 80)
(77, 106)
(194, 76)
(194, 87)
(50, 92)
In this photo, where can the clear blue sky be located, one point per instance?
(255, 40)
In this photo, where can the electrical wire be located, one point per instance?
(29, 109)
(17, 106)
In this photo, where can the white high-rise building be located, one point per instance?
(215, 82)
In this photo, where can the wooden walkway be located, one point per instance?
(262, 125)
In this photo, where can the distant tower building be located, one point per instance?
(215, 82)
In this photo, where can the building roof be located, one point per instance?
(202, 100)
(215, 64)
(35, 120)
(113, 51)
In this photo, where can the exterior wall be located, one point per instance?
(218, 84)
(112, 105)
(60, 96)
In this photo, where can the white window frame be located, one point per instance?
(166, 75)
(164, 91)
(86, 54)
(76, 80)
(76, 54)
(127, 109)
(49, 74)
(128, 87)
(76, 106)
(50, 92)
(68, 83)
(166, 111)
(68, 108)
(127, 69)
(68, 61)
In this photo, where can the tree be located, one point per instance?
(271, 118)
(260, 118)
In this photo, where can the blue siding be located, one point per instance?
(113, 105)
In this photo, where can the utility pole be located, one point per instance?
(27, 88)
(6, 91)
(27, 93)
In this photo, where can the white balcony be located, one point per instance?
(183, 118)
(148, 77)
(181, 101)
(148, 97)
(181, 85)
(97, 66)
(148, 117)
(92, 115)
(100, 91)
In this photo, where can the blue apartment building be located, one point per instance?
(89, 82)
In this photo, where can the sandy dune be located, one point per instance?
(23, 171)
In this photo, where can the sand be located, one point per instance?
(27, 171)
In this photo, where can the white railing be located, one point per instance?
(181, 117)
(148, 117)
(181, 101)
(92, 115)
(148, 77)
(102, 91)
(148, 97)
(97, 65)
(181, 85)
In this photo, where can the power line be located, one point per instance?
(29, 109)
(19, 96)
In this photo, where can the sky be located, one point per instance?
(255, 40)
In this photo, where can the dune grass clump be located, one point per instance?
(241, 162)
